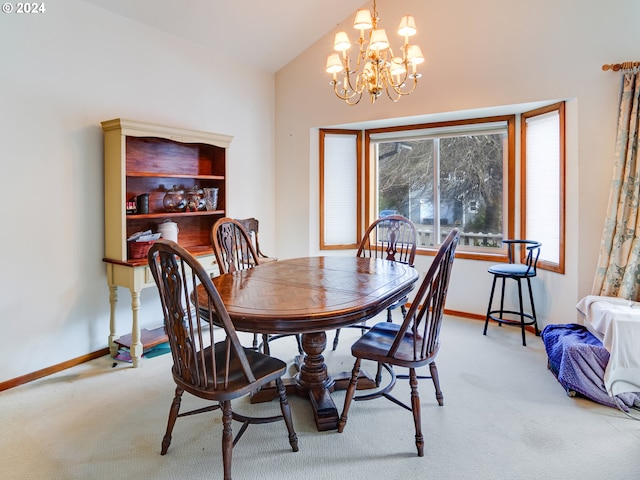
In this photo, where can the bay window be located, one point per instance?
(445, 175)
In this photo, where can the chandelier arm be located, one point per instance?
(349, 98)
(394, 100)
(351, 104)
(396, 88)
(357, 75)
(360, 62)
(356, 92)
(344, 96)
(398, 85)
(400, 82)
(400, 92)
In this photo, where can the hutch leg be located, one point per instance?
(136, 345)
(113, 300)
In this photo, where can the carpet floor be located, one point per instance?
(505, 416)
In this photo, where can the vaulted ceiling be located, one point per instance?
(266, 34)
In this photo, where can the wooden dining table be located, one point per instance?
(310, 296)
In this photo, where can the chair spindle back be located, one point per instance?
(191, 331)
(232, 246)
(532, 254)
(424, 318)
(390, 238)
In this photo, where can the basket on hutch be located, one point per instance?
(138, 250)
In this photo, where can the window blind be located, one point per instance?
(340, 202)
(543, 183)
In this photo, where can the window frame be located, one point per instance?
(560, 108)
(323, 132)
(499, 255)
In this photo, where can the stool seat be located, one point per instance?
(517, 272)
(512, 270)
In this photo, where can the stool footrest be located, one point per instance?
(493, 316)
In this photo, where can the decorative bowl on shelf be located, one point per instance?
(174, 200)
(195, 199)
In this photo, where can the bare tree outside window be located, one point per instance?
(469, 191)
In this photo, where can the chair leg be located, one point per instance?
(351, 390)
(436, 383)
(502, 301)
(378, 378)
(286, 414)
(266, 338)
(255, 341)
(533, 308)
(336, 339)
(415, 408)
(299, 340)
(227, 438)
(493, 288)
(403, 309)
(363, 328)
(173, 415)
(524, 340)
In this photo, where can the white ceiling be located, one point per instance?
(266, 34)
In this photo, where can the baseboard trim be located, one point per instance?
(456, 313)
(29, 377)
(475, 316)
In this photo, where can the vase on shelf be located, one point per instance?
(211, 198)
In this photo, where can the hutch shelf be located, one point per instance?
(143, 158)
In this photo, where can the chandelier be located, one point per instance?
(376, 69)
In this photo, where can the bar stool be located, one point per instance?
(517, 272)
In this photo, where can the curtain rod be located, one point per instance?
(620, 66)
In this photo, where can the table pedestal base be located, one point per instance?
(314, 382)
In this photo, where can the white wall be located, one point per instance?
(479, 55)
(76, 65)
(63, 72)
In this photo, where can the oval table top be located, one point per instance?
(312, 294)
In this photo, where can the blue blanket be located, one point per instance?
(578, 360)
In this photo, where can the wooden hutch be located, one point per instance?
(144, 158)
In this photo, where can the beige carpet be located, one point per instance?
(505, 417)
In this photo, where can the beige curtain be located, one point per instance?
(618, 270)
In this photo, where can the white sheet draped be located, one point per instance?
(616, 322)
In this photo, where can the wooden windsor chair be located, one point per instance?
(393, 237)
(252, 226)
(413, 344)
(213, 369)
(234, 251)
